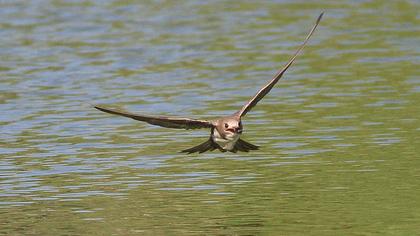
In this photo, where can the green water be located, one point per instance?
(339, 135)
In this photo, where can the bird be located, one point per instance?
(225, 132)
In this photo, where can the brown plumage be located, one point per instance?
(164, 121)
(225, 131)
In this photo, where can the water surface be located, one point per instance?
(339, 134)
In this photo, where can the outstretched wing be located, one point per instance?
(266, 89)
(168, 122)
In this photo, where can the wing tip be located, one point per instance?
(185, 151)
(320, 17)
(101, 108)
(96, 106)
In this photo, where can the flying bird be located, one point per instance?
(225, 132)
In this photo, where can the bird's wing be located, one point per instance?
(168, 122)
(266, 89)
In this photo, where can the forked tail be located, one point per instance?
(243, 146)
(208, 145)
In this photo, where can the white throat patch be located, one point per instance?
(226, 144)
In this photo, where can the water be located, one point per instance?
(339, 134)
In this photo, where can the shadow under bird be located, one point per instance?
(225, 131)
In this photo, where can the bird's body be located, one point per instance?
(225, 131)
(228, 142)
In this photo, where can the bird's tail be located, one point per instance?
(244, 146)
(208, 145)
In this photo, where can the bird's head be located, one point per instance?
(230, 126)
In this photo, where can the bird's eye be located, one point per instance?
(226, 125)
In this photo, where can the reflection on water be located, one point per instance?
(338, 134)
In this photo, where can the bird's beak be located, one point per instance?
(237, 130)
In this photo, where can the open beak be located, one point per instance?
(235, 130)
